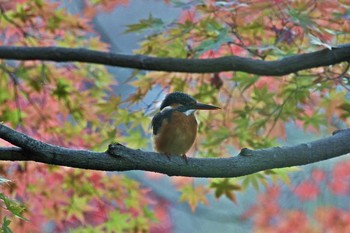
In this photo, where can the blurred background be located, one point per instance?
(311, 198)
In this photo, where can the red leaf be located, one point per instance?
(339, 187)
(307, 191)
(340, 184)
(332, 219)
(187, 16)
(341, 170)
(318, 175)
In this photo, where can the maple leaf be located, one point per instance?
(48, 99)
(307, 191)
(118, 222)
(5, 226)
(318, 175)
(342, 170)
(333, 219)
(339, 187)
(150, 23)
(340, 184)
(77, 207)
(225, 187)
(194, 196)
(14, 207)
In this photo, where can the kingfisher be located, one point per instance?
(175, 126)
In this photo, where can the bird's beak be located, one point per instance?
(200, 106)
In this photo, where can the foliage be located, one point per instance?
(270, 216)
(73, 105)
(12, 206)
(65, 104)
(194, 195)
(255, 108)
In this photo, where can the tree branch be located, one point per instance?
(121, 158)
(284, 66)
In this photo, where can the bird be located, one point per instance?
(175, 125)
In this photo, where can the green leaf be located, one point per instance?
(149, 214)
(225, 187)
(62, 90)
(253, 179)
(11, 115)
(77, 207)
(12, 206)
(55, 20)
(281, 174)
(5, 226)
(300, 17)
(345, 106)
(221, 134)
(118, 222)
(4, 94)
(215, 43)
(109, 106)
(88, 229)
(136, 139)
(150, 23)
(315, 120)
(245, 81)
(262, 94)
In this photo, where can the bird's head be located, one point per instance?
(184, 103)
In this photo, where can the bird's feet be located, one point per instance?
(167, 155)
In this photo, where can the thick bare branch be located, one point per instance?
(121, 158)
(284, 66)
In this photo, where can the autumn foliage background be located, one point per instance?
(75, 105)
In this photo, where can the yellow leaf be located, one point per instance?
(194, 196)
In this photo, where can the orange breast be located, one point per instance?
(177, 136)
